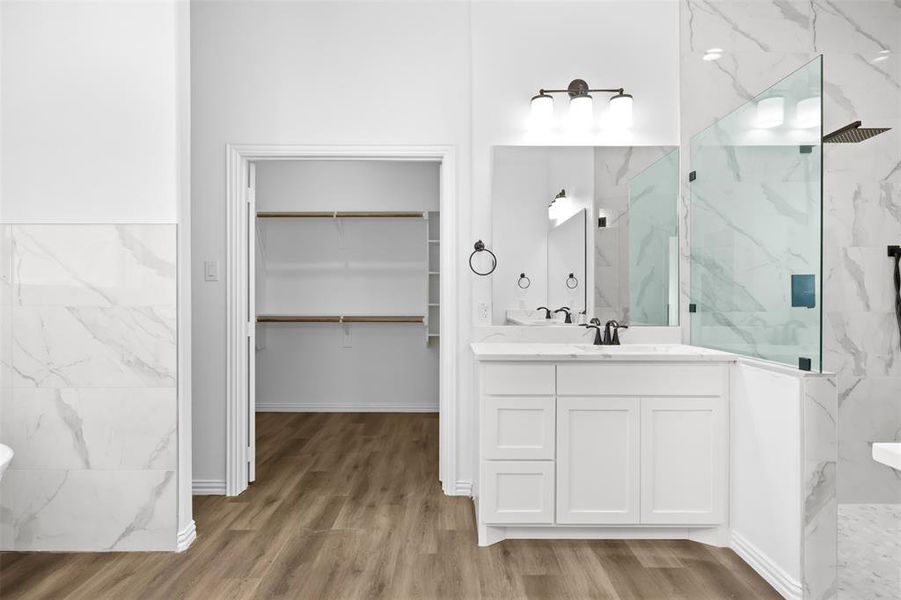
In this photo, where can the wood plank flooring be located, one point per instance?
(349, 506)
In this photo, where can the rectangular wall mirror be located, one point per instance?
(592, 230)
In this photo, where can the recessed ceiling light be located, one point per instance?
(712, 54)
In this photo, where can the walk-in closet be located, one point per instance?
(346, 280)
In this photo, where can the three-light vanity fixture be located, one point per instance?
(581, 107)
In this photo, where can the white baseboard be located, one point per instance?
(186, 537)
(362, 408)
(781, 581)
(208, 487)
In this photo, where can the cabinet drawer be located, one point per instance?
(517, 428)
(641, 380)
(519, 492)
(522, 379)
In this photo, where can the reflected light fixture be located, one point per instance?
(807, 113)
(770, 112)
(553, 208)
(581, 106)
(713, 54)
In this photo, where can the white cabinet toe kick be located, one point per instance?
(588, 450)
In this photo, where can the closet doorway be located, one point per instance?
(341, 288)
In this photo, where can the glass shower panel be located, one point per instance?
(654, 243)
(756, 225)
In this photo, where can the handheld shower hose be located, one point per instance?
(895, 252)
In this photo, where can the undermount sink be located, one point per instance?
(542, 322)
(6, 456)
(634, 348)
(888, 453)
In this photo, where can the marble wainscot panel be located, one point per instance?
(91, 409)
(762, 41)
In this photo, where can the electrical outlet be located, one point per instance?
(484, 312)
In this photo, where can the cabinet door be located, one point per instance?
(517, 492)
(598, 443)
(517, 428)
(683, 461)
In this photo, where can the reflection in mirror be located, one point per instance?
(566, 210)
(566, 263)
(654, 244)
(636, 277)
(527, 206)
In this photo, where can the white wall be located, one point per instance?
(399, 73)
(88, 112)
(308, 73)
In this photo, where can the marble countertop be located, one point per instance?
(495, 351)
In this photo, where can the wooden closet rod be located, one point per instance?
(341, 319)
(341, 214)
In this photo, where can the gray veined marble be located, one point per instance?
(89, 398)
(869, 552)
(763, 41)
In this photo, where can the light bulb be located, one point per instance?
(581, 112)
(770, 112)
(807, 113)
(542, 112)
(620, 111)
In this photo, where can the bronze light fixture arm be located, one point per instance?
(582, 91)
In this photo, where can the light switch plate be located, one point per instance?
(211, 270)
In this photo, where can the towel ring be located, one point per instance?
(572, 282)
(480, 247)
(519, 282)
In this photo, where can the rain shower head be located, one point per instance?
(852, 134)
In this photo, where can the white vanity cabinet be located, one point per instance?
(580, 448)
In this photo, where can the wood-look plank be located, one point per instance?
(348, 506)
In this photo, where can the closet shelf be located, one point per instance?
(340, 319)
(341, 215)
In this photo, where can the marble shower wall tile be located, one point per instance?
(820, 409)
(762, 41)
(90, 404)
